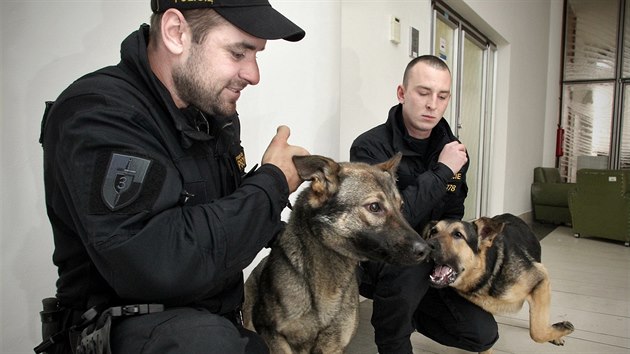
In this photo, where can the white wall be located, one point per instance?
(371, 65)
(339, 81)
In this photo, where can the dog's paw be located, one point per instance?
(564, 326)
(557, 341)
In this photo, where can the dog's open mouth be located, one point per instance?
(442, 276)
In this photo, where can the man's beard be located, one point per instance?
(193, 90)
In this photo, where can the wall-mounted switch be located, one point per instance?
(414, 42)
(394, 35)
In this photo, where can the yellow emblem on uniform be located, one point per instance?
(240, 161)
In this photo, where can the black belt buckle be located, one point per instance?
(135, 309)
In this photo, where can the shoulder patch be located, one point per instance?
(124, 180)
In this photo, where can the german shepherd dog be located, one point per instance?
(303, 297)
(496, 264)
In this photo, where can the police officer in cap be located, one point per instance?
(146, 184)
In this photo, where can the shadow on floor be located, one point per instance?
(541, 230)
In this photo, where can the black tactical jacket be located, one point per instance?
(429, 189)
(149, 203)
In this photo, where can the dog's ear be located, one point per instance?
(487, 230)
(390, 166)
(323, 174)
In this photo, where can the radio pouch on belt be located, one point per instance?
(94, 339)
(56, 334)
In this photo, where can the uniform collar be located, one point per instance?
(186, 121)
(400, 136)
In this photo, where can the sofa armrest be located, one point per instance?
(555, 194)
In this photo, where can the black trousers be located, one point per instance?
(403, 302)
(183, 330)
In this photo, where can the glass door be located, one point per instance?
(471, 57)
(471, 119)
(445, 47)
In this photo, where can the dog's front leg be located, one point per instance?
(539, 304)
(335, 338)
(277, 344)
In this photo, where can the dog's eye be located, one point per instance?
(374, 207)
(458, 234)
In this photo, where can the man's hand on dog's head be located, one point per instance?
(280, 154)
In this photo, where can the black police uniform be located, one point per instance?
(149, 203)
(402, 298)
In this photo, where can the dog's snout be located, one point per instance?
(421, 250)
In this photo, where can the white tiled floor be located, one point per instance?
(590, 282)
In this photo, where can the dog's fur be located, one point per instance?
(496, 264)
(303, 297)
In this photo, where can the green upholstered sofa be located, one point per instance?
(600, 204)
(550, 196)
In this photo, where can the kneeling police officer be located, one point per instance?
(153, 213)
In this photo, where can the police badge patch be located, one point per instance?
(123, 181)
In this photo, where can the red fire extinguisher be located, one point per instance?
(559, 141)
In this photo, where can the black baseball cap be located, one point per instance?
(255, 17)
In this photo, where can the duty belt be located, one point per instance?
(90, 316)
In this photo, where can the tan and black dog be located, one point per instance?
(496, 264)
(303, 297)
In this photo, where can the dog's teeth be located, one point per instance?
(443, 274)
(443, 271)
